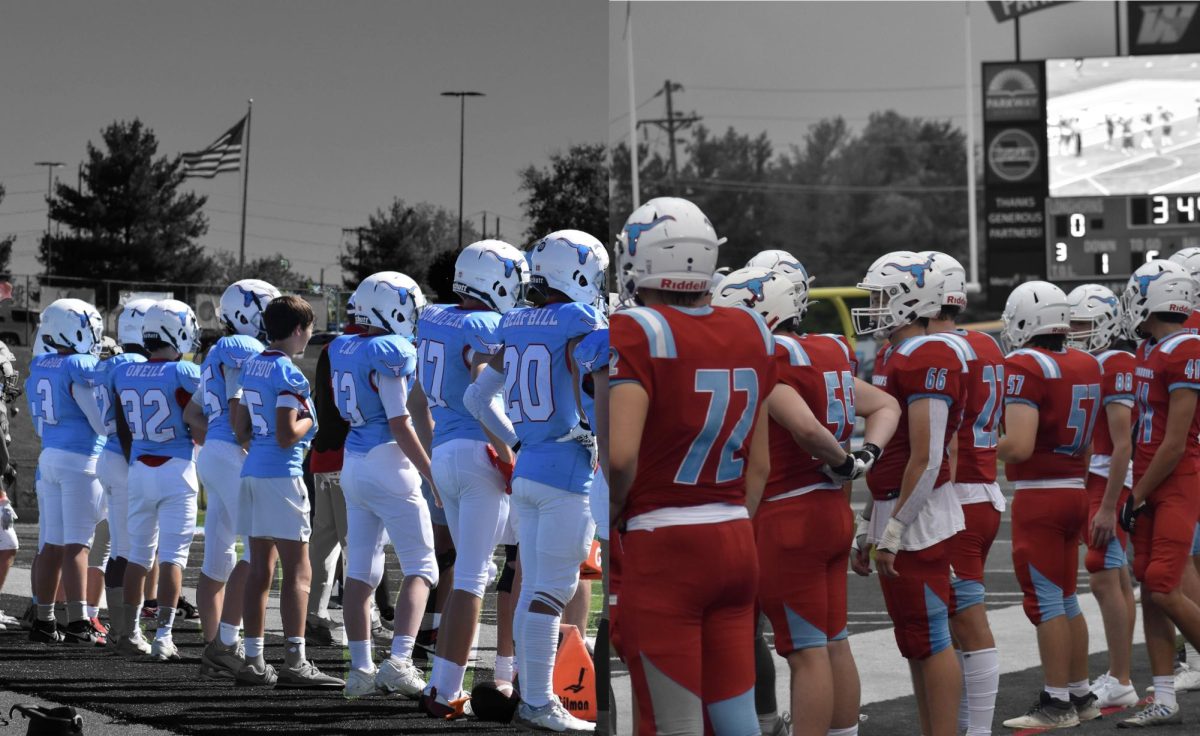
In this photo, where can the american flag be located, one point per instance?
(225, 154)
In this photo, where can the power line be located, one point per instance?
(766, 186)
(645, 102)
(278, 219)
(281, 240)
(827, 90)
(23, 212)
(296, 206)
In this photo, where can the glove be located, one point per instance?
(1128, 516)
(891, 536)
(586, 439)
(861, 526)
(7, 515)
(506, 469)
(852, 467)
(869, 455)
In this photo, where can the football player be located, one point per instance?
(915, 511)
(219, 466)
(470, 468)
(275, 416)
(688, 454)
(556, 462)
(1164, 501)
(1096, 322)
(973, 478)
(1052, 401)
(1189, 258)
(113, 469)
(66, 414)
(150, 398)
(804, 519)
(381, 478)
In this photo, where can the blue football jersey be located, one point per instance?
(591, 355)
(152, 395)
(446, 336)
(102, 379)
(228, 353)
(60, 422)
(539, 391)
(354, 361)
(265, 378)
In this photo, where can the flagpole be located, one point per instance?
(245, 186)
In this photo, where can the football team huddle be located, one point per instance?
(730, 464)
(481, 412)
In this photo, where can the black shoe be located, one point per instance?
(81, 633)
(426, 645)
(317, 635)
(186, 608)
(29, 616)
(45, 632)
(1085, 707)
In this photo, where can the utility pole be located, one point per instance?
(483, 222)
(50, 167)
(462, 142)
(672, 123)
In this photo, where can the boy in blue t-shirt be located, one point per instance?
(276, 416)
(150, 397)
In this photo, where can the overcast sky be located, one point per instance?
(741, 62)
(346, 116)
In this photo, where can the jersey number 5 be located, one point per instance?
(720, 386)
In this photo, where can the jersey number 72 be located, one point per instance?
(720, 385)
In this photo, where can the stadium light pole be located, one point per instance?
(50, 167)
(462, 123)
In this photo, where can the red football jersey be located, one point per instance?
(927, 366)
(819, 367)
(1168, 365)
(1116, 384)
(1065, 389)
(983, 406)
(707, 372)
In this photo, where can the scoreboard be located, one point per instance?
(1107, 238)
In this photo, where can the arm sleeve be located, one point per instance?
(393, 394)
(86, 398)
(482, 399)
(939, 413)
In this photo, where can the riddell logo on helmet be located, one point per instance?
(1179, 308)
(682, 285)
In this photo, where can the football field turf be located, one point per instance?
(887, 697)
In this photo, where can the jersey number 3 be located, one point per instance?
(720, 385)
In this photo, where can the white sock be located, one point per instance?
(1059, 693)
(116, 603)
(402, 646)
(132, 622)
(504, 668)
(45, 612)
(852, 731)
(166, 619)
(541, 644)
(1079, 689)
(1191, 656)
(963, 711)
(981, 682)
(228, 634)
(1164, 691)
(254, 646)
(76, 611)
(360, 655)
(92, 611)
(437, 620)
(447, 677)
(298, 642)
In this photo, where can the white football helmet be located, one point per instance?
(1157, 286)
(956, 277)
(40, 346)
(242, 306)
(569, 261)
(389, 300)
(904, 287)
(764, 290)
(787, 264)
(72, 324)
(129, 323)
(493, 272)
(1100, 308)
(666, 244)
(1189, 258)
(1034, 308)
(173, 322)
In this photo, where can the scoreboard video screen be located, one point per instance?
(1123, 143)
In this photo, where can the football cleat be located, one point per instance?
(186, 611)
(426, 645)
(1116, 695)
(164, 650)
(1154, 714)
(400, 676)
(10, 622)
(257, 674)
(220, 662)
(1186, 679)
(323, 634)
(80, 633)
(150, 613)
(45, 632)
(551, 717)
(361, 683)
(305, 675)
(29, 616)
(448, 709)
(133, 647)
(1101, 683)
(1086, 707)
(1046, 713)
